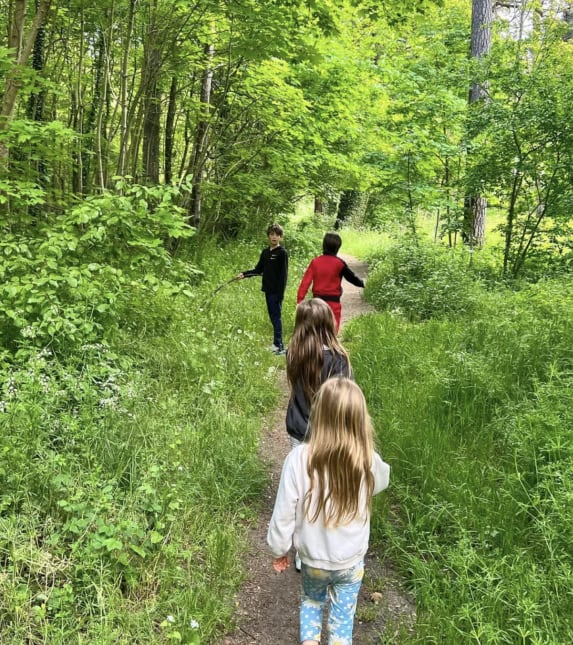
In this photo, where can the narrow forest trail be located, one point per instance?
(268, 603)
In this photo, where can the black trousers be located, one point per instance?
(274, 307)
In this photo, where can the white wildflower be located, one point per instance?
(194, 624)
(28, 332)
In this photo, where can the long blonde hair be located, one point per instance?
(314, 329)
(340, 454)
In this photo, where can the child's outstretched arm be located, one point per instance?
(349, 275)
(258, 270)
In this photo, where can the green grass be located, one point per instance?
(362, 243)
(130, 470)
(474, 416)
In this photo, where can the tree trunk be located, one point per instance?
(151, 99)
(36, 101)
(23, 49)
(152, 118)
(346, 205)
(170, 130)
(475, 206)
(200, 145)
(123, 136)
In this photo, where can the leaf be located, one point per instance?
(155, 537)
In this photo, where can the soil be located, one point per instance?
(267, 606)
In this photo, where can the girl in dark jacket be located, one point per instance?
(314, 355)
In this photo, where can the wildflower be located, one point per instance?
(108, 403)
(194, 624)
(28, 332)
(170, 619)
(3, 406)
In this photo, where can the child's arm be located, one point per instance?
(349, 275)
(305, 283)
(258, 270)
(282, 524)
(381, 472)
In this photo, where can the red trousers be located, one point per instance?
(337, 310)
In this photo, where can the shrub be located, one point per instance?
(421, 281)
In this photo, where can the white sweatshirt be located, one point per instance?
(331, 548)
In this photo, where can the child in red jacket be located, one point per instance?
(325, 273)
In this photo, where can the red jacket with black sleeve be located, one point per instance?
(325, 273)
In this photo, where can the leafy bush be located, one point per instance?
(72, 280)
(130, 466)
(474, 416)
(422, 281)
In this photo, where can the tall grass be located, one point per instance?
(474, 414)
(129, 470)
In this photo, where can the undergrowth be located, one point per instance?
(129, 467)
(471, 397)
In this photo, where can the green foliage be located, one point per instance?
(73, 280)
(521, 148)
(473, 414)
(421, 281)
(129, 468)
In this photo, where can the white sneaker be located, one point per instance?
(297, 562)
(273, 348)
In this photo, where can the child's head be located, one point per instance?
(314, 330)
(316, 317)
(331, 243)
(275, 229)
(339, 415)
(340, 448)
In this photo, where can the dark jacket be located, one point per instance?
(298, 410)
(273, 266)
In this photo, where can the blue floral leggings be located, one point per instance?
(342, 588)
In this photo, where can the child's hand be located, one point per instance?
(281, 564)
(239, 277)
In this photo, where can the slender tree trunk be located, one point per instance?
(152, 121)
(475, 206)
(200, 145)
(36, 101)
(123, 137)
(23, 48)
(152, 100)
(89, 127)
(170, 131)
(510, 220)
(101, 143)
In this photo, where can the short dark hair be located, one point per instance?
(275, 228)
(331, 243)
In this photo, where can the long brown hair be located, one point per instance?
(340, 454)
(314, 329)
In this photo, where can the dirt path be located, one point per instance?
(268, 603)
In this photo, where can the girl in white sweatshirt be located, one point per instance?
(323, 509)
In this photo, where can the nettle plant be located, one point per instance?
(70, 281)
